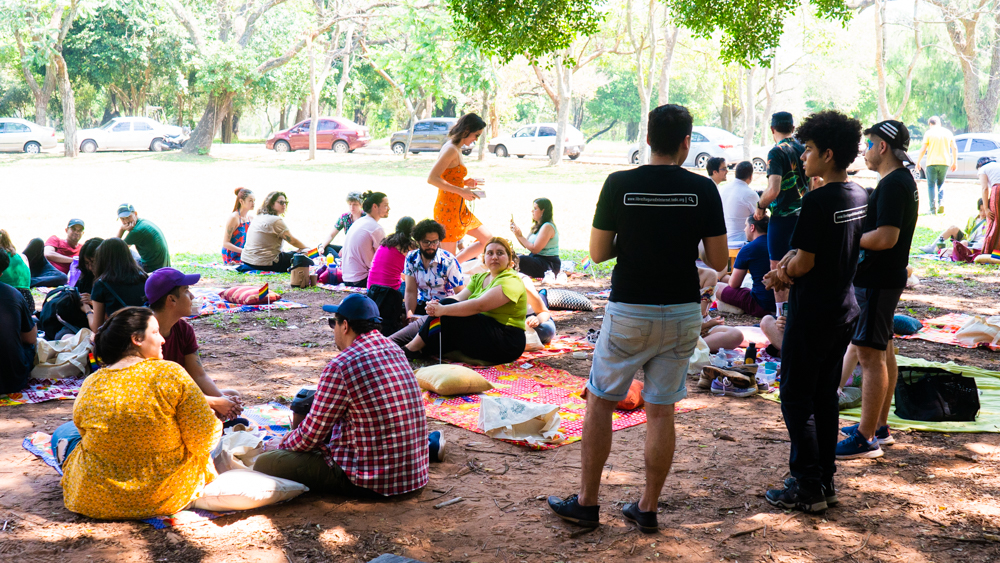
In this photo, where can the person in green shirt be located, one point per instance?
(147, 238)
(486, 320)
(17, 275)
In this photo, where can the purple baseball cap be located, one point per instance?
(164, 280)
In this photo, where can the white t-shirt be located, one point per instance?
(739, 201)
(359, 248)
(263, 240)
(992, 172)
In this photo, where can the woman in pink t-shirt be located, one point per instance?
(387, 265)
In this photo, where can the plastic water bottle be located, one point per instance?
(719, 360)
(550, 278)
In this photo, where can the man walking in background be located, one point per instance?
(942, 154)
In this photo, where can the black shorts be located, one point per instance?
(874, 326)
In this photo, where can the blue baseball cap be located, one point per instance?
(124, 210)
(355, 307)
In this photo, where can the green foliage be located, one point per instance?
(617, 100)
(532, 28)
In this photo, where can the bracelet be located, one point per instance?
(90, 312)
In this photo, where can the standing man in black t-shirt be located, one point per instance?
(786, 184)
(881, 277)
(653, 317)
(821, 308)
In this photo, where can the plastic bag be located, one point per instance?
(57, 359)
(238, 450)
(511, 419)
(531, 341)
(702, 357)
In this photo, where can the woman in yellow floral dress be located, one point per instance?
(142, 432)
(454, 189)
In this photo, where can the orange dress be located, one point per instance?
(450, 209)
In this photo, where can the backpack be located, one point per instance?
(390, 308)
(61, 308)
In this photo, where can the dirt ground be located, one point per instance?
(932, 497)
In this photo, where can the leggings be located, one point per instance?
(535, 265)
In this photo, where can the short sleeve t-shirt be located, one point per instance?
(830, 226)
(16, 358)
(785, 160)
(513, 312)
(438, 280)
(62, 247)
(739, 201)
(660, 213)
(264, 240)
(359, 249)
(937, 141)
(754, 258)
(992, 173)
(893, 203)
(134, 295)
(17, 275)
(387, 267)
(149, 241)
(180, 343)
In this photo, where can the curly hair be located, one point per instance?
(428, 226)
(267, 206)
(508, 249)
(833, 131)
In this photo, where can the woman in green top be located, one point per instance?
(486, 320)
(542, 242)
(17, 275)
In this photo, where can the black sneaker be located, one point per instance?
(435, 444)
(794, 497)
(645, 521)
(570, 510)
(828, 491)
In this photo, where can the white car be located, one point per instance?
(127, 133)
(706, 142)
(21, 135)
(538, 139)
(758, 157)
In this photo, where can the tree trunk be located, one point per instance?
(283, 118)
(644, 74)
(565, 87)
(671, 33)
(345, 69)
(749, 114)
(301, 112)
(313, 101)
(68, 105)
(204, 134)
(770, 88)
(42, 94)
(882, 102)
(180, 110)
(413, 123)
(980, 109)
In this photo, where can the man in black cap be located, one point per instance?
(878, 284)
(786, 184)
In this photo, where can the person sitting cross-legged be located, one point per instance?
(168, 292)
(267, 231)
(752, 258)
(366, 431)
(50, 260)
(431, 272)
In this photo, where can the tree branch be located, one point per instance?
(185, 19)
(261, 9)
(548, 89)
(28, 77)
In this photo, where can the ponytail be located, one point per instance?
(241, 194)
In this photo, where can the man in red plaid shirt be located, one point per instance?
(366, 432)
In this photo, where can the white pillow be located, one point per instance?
(243, 489)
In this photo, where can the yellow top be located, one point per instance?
(938, 143)
(147, 436)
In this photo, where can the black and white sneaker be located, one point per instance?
(828, 491)
(796, 498)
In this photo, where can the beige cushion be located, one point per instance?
(450, 379)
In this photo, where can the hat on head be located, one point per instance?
(356, 307)
(895, 134)
(75, 222)
(164, 280)
(781, 118)
(983, 161)
(124, 210)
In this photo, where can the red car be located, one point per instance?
(334, 133)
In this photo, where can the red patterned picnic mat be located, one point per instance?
(560, 344)
(537, 383)
(942, 330)
(41, 390)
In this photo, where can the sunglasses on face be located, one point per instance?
(281, 202)
(430, 243)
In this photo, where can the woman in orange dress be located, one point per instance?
(454, 189)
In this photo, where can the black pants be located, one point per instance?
(283, 262)
(43, 273)
(478, 336)
(535, 265)
(359, 283)
(812, 356)
(332, 250)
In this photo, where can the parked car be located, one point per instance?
(706, 142)
(127, 133)
(538, 139)
(20, 135)
(428, 136)
(758, 157)
(335, 133)
(971, 147)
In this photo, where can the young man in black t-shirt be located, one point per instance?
(821, 308)
(881, 277)
(653, 317)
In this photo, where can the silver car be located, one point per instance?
(21, 135)
(971, 147)
(428, 136)
(706, 142)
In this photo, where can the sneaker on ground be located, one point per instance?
(794, 497)
(740, 376)
(436, 441)
(705, 381)
(569, 509)
(725, 387)
(932, 247)
(828, 491)
(856, 446)
(762, 386)
(882, 433)
(645, 521)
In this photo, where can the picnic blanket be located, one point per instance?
(603, 294)
(342, 287)
(987, 381)
(942, 330)
(931, 257)
(537, 383)
(560, 344)
(213, 303)
(41, 390)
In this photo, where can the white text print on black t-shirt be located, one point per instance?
(662, 200)
(848, 215)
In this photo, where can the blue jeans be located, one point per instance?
(43, 273)
(546, 331)
(64, 441)
(936, 174)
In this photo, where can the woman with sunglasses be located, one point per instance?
(265, 234)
